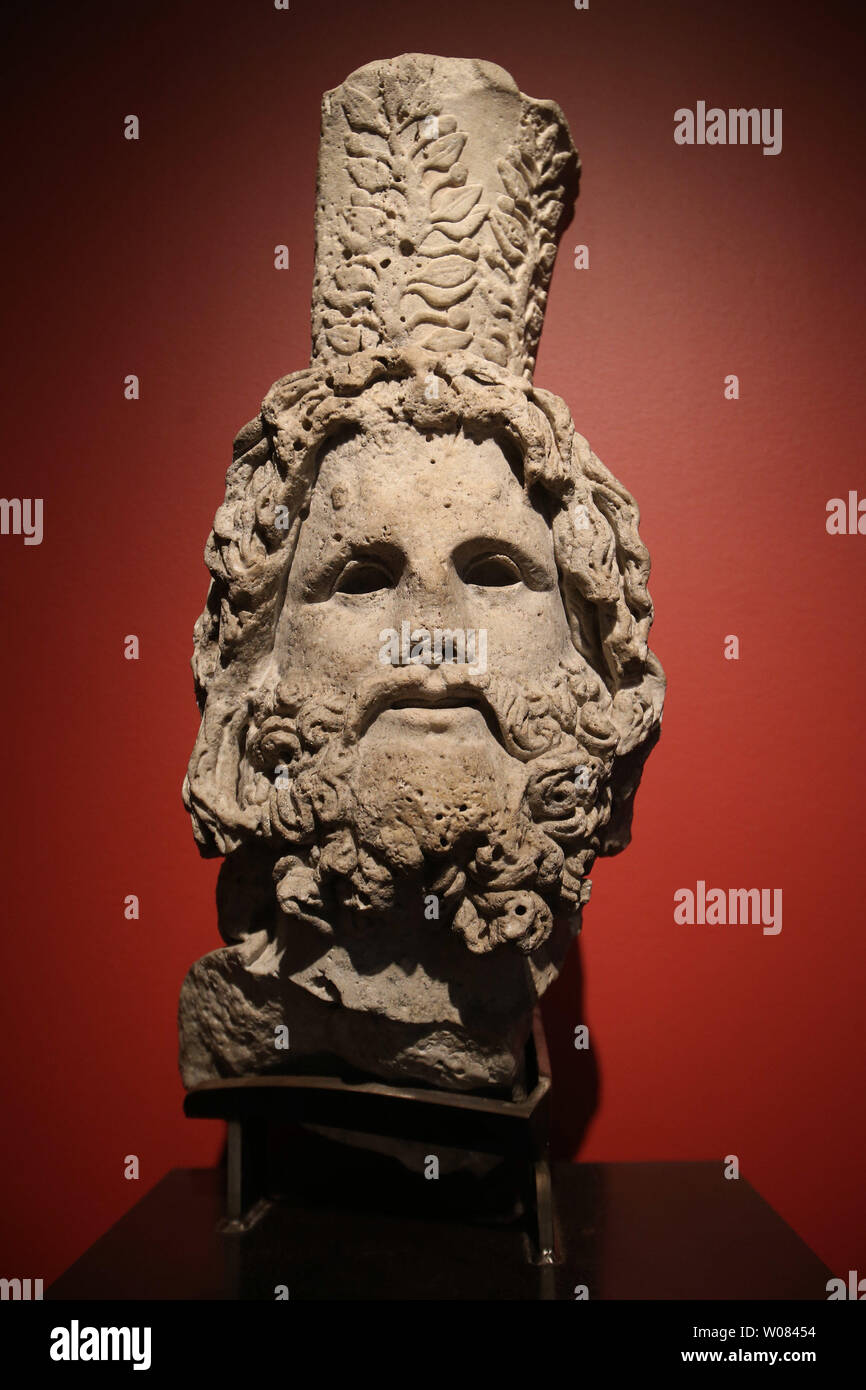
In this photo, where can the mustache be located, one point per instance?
(505, 709)
(291, 718)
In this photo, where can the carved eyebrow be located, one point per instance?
(318, 585)
(534, 573)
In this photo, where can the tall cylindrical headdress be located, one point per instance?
(442, 191)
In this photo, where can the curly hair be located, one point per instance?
(602, 563)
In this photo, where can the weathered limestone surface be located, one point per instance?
(423, 670)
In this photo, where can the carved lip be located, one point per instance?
(420, 691)
(439, 716)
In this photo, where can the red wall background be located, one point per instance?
(156, 258)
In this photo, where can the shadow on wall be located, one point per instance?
(575, 1071)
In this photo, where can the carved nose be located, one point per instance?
(435, 598)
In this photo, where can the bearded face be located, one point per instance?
(422, 667)
(399, 775)
(427, 700)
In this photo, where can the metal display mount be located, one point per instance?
(518, 1131)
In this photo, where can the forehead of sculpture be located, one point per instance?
(400, 479)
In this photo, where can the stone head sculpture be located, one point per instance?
(423, 670)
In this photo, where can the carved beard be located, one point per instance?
(498, 829)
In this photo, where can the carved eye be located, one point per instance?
(491, 572)
(364, 577)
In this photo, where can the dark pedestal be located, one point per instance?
(362, 1227)
(272, 1149)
